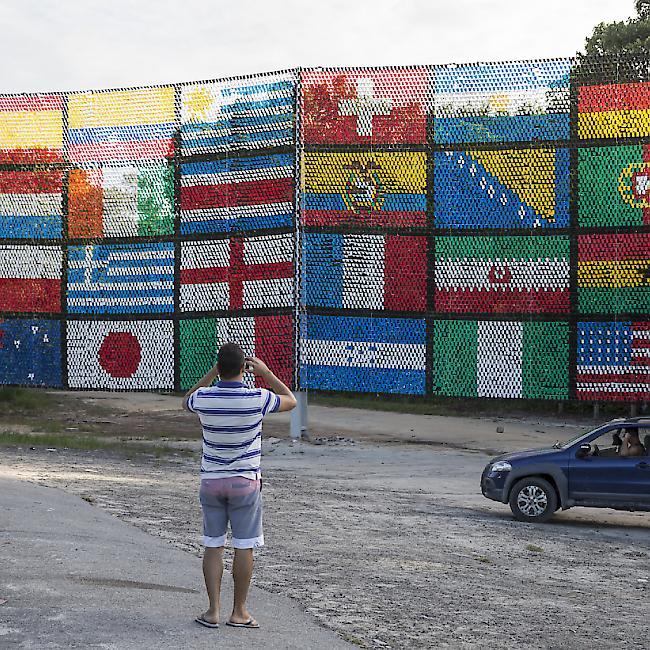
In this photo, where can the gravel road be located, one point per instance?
(392, 546)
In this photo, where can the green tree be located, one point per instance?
(618, 51)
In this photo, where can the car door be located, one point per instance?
(609, 480)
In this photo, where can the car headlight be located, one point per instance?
(501, 466)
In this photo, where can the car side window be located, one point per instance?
(607, 445)
(610, 443)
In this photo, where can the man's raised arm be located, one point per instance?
(260, 369)
(204, 382)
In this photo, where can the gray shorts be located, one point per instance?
(236, 500)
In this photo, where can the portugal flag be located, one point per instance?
(614, 186)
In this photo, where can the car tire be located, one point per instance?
(533, 499)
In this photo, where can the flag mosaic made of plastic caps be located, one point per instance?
(366, 189)
(502, 274)
(475, 230)
(502, 188)
(501, 358)
(502, 102)
(269, 337)
(365, 106)
(613, 360)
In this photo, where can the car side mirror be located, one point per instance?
(583, 451)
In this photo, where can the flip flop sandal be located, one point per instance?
(252, 624)
(201, 621)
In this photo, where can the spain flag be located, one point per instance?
(614, 273)
(614, 111)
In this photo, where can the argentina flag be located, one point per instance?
(121, 278)
(376, 355)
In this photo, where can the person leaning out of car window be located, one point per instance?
(631, 445)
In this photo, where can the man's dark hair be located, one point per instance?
(230, 360)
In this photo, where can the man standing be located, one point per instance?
(231, 416)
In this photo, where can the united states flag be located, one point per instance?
(613, 361)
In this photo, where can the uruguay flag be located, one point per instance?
(375, 355)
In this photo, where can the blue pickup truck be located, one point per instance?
(589, 470)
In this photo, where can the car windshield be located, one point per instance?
(572, 441)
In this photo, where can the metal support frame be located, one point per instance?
(299, 417)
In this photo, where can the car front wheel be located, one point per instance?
(533, 499)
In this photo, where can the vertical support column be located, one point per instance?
(299, 417)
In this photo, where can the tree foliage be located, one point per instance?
(618, 51)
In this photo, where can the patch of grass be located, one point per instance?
(24, 400)
(85, 443)
(436, 405)
(533, 548)
(354, 640)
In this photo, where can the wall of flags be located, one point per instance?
(472, 230)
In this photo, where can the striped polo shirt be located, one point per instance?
(231, 415)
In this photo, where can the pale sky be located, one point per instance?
(79, 44)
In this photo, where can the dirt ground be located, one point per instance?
(390, 545)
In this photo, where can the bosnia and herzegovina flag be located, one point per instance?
(362, 188)
(31, 204)
(614, 111)
(502, 102)
(124, 201)
(502, 274)
(501, 359)
(504, 188)
(363, 354)
(614, 273)
(614, 186)
(30, 352)
(31, 129)
(121, 124)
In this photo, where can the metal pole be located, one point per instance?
(299, 417)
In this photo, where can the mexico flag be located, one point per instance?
(30, 278)
(501, 359)
(614, 273)
(502, 274)
(121, 355)
(237, 273)
(271, 338)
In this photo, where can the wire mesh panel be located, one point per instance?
(466, 230)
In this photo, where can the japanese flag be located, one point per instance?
(126, 355)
